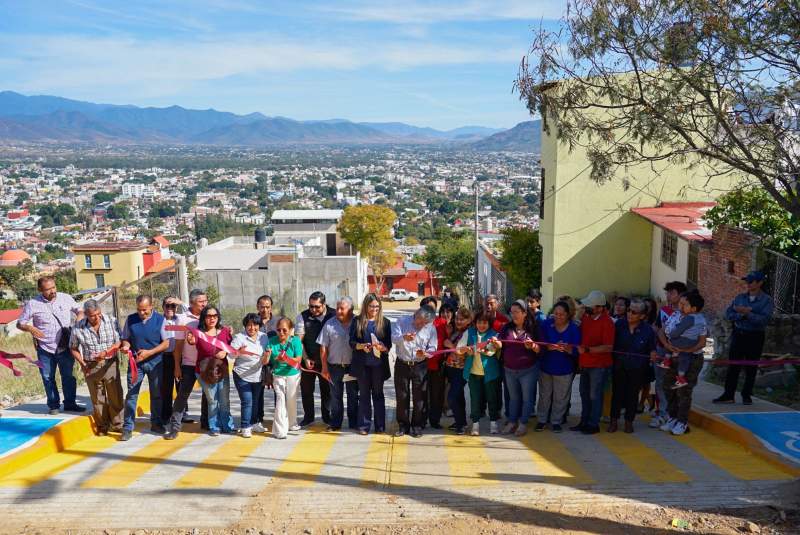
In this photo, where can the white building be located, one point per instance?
(139, 190)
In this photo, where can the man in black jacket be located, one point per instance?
(307, 327)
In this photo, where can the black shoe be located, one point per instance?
(557, 428)
(102, 432)
(331, 428)
(540, 427)
(452, 426)
(723, 399)
(460, 430)
(305, 423)
(416, 432)
(172, 435)
(74, 408)
(53, 412)
(590, 430)
(126, 435)
(579, 428)
(187, 420)
(747, 400)
(400, 432)
(158, 429)
(436, 425)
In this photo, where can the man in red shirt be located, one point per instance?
(492, 306)
(594, 360)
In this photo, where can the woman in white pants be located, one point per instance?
(285, 353)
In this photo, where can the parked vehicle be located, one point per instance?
(399, 294)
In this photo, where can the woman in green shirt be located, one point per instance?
(285, 353)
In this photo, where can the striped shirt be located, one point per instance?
(42, 314)
(92, 342)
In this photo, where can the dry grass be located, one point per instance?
(14, 390)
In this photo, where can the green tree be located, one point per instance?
(368, 228)
(454, 261)
(119, 211)
(103, 196)
(522, 258)
(755, 210)
(710, 85)
(66, 281)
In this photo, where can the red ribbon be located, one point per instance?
(134, 369)
(296, 363)
(6, 358)
(214, 342)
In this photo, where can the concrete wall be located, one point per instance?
(661, 273)
(590, 239)
(289, 283)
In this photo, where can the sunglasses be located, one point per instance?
(215, 316)
(170, 305)
(374, 306)
(281, 330)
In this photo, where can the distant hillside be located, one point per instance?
(525, 137)
(55, 119)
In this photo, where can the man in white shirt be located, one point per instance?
(336, 355)
(414, 339)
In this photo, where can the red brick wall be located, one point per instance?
(717, 285)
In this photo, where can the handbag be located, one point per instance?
(62, 339)
(212, 370)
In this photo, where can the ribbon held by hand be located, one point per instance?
(213, 341)
(132, 366)
(6, 358)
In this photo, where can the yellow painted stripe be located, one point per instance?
(377, 460)
(731, 457)
(468, 461)
(644, 461)
(215, 469)
(125, 472)
(398, 463)
(304, 463)
(51, 465)
(553, 460)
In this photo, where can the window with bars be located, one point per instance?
(669, 248)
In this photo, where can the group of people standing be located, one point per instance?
(516, 366)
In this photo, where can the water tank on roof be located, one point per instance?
(261, 235)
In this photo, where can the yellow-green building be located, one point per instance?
(109, 263)
(590, 238)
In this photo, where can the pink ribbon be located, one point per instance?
(6, 358)
(296, 363)
(214, 342)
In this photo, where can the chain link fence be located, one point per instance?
(783, 282)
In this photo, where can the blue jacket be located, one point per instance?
(757, 319)
(491, 364)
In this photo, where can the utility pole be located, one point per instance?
(476, 282)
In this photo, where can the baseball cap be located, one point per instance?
(754, 276)
(596, 298)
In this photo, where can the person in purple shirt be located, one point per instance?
(521, 366)
(47, 317)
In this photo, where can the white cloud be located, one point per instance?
(418, 12)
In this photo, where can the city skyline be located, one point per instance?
(440, 65)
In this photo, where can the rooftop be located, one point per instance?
(292, 215)
(116, 246)
(683, 218)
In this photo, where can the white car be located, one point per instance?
(402, 295)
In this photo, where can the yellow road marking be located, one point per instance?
(377, 460)
(304, 463)
(468, 461)
(552, 459)
(398, 462)
(215, 469)
(644, 461)
(57, 462)
(731, 457)
(140, 462)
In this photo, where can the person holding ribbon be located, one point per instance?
(336, 354)
(285, 353)
(94, 343)
(211, 340)
(519, 351)
(454, 368)
(143, 339)
(308, 325)
(47, 317)
(371, 340)
(562, 337)
(482, 373)
(269, 322)
(252, 345)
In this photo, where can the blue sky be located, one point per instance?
(440, 64)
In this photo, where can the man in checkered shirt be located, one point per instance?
(94, 343)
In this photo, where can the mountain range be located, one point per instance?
(50, 119)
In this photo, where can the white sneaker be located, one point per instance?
(295, 427)
(656, 422)
(247, 432)
(509, 428)
(258, 428)
(679, 428)
(494, 428)
(668, 425)
(476, 429)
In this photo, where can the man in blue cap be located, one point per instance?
(750, 312)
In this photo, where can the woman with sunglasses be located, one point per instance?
(217, 393)
(285, 352)
(371, 340)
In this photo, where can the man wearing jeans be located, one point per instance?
(47, 317)
(594, 360)
(336, 355)
(668, 316)
(144, 335)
